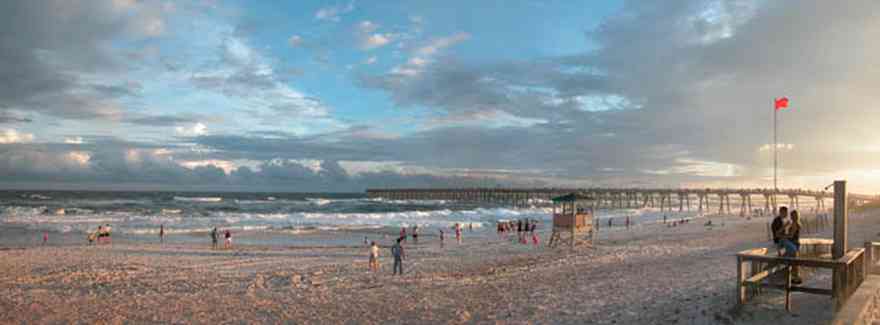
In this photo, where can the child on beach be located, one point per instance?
(458, 232)
(228, 239)
(399, 255)
(374, 257)
(535, 239)
(214, 235)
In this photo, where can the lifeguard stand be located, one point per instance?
(572, 215)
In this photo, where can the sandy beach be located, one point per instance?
(651, 274)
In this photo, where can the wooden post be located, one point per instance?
(868, 258)
(573, 221)
(788, 272)
(839, 248)
(740, 278)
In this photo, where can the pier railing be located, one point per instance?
(665, 199)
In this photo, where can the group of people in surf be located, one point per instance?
(100, 235)
(526, 229)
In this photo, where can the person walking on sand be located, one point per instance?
(228, 236)
(162, 233)
(214, 235)
(374, 257)
(415, 234)
(399, 255)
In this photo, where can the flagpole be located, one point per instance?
(775, 146)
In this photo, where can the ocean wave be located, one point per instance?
(198, 199)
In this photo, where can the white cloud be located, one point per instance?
(226, 165)
(417, 62)
(80, 157)
(423, 56)
(295, 41)
(194, 130)
(375, 41)
(779, 146)
(73, 140)
(441, 43)
(371, 60)
(12, 136)
(367, 27)
(333, 13)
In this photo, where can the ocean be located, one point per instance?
(140, 214)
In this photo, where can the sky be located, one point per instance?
(346, 95)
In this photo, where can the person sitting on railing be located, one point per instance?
(791, 241)
(777, 228)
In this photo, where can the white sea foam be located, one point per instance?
(198, 199)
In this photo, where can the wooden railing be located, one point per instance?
(872, 249)
(756, 269)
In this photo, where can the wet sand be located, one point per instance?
(650, 274)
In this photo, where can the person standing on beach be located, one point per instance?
(627, 222)
(162, 233)
(399, 255)
(228, 235)
(403, 233)
(214, 235)
(519, 225)
(534, 233)
(471, 227)
(45, 237)
(442, 238)
(458, 232)
(415, 234)
(374, 257)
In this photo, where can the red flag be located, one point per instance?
(781, 103)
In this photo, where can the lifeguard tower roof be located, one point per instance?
(571, 197)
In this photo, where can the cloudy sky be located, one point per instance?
(344, 95)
